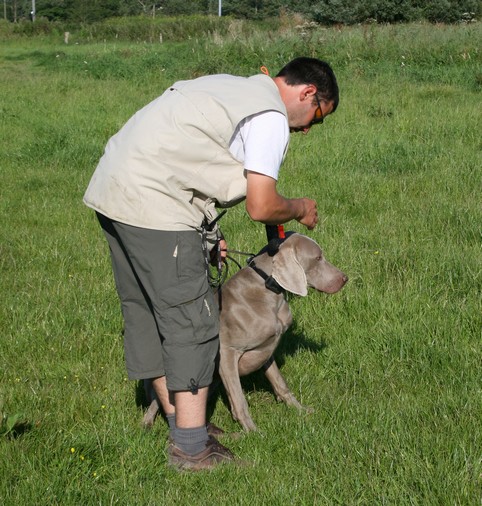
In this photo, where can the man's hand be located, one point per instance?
(310, 214)
(218, 253)
(223, 248)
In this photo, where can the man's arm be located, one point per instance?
(265, 204)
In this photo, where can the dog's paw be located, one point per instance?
(150, 415)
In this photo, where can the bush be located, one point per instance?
(451, 11)
(390, 11)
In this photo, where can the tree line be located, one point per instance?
(322, 11)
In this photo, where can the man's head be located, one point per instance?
(309, 91)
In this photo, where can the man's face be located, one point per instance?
(307, 113)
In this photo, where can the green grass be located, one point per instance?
(391, 364)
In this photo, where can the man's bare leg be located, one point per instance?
(189, 408)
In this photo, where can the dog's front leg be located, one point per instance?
(283, 393)
(228, 370)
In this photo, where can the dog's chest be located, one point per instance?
(284, 315)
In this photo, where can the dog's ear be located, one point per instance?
(288, 272)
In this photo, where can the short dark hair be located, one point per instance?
(304, 70)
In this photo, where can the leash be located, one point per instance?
(223, 266)
(220, 277)
(275, 235)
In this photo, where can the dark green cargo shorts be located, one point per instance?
(171, 319)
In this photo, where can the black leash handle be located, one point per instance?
(276, 235)
(275, 232)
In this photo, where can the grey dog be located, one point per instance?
(255, 314)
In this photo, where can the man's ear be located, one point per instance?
(307, 92)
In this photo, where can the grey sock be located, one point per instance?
(191, 441)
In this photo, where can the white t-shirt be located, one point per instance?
(259, 142)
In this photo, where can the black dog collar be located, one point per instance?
(269, 281)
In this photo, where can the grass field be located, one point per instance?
(391, 365)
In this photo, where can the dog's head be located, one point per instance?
(300, 263)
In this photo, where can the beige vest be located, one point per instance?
(170, 163)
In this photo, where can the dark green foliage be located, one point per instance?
(323, 11)
(78, 11)
(450, 11)
(255, 9)
(391, 11)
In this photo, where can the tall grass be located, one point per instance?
(391, 364)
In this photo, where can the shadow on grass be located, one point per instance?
(16, 430)
(141, 395)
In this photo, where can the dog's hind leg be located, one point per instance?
(150, 414)
(154, 405)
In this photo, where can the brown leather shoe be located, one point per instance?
(214, 454)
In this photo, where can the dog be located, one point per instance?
(255, 314)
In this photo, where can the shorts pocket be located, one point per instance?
(190, 256)
(187, 313)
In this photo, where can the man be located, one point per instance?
(212, 141)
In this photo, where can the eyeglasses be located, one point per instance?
(318, 117)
